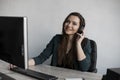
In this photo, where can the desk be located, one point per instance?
(61, 73)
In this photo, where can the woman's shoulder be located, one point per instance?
(86, 41)
(89, 42)
(57, 37)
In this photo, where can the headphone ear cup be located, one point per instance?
(80, 30)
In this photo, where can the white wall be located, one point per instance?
(45, 19)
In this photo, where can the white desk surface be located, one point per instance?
(61, 73)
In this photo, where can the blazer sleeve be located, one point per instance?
(46, 53)
(85, 64)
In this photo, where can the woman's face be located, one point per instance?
(71, 25)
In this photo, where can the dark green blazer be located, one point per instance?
(51, 49)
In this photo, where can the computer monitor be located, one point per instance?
(14, 48)
(13, 40)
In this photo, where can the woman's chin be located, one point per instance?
(69, 33)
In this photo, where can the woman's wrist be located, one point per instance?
(78, 44)
(80, 53)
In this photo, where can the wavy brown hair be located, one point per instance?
(63, 45)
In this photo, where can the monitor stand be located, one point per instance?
(34, 74)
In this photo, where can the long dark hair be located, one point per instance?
(63, 45)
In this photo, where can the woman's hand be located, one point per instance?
(11, 66)
(80, 53)
(80, 37)
(31, 62)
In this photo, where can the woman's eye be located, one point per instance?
(74, 23)
(67, 21)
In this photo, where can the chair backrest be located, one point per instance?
(93, 57)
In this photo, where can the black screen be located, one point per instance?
(12, 40)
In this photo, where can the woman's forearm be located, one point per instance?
(80, 53)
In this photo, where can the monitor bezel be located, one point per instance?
(25, 42)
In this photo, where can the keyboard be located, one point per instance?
(34, 74)
(5, 77)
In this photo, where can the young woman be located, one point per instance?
(70, 49)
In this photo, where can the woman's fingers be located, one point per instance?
(11, 66)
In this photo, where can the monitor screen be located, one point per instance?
(13, 40)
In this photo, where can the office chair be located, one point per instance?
(93, 57)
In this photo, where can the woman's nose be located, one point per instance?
(70, 25)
